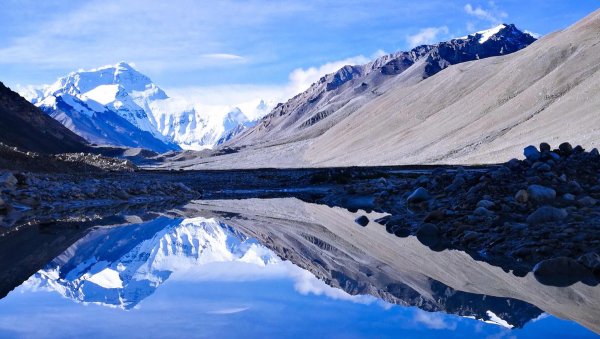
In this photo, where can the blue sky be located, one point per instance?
(226, 50)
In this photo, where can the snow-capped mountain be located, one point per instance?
(117, 105)
(121, 266)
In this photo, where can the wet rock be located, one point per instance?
(561, 271)
(522, 196)
(565, 149)
(362, 221)
(546, 214)
(419, 195)
(587, 201)
(539, 193)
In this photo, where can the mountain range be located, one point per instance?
(118, 106)
(471, 100)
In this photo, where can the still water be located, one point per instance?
(266, 268)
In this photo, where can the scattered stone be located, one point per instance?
(485, 203)
(483, 212)
(531, 153)
(565, 149)
(546, 214)
(362, 221)
(539, 193)
(419, 195)
(8, 180)
(522, 196)
(428, 230)
(587, 201)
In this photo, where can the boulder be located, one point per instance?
(561, 271)
(546, 214)
(8, 180)
(565, 149)
(483, 212)
(362, 221)
(587, 201)
(419, 195)
(485, 203)
(539, 193)
(522, 196)
(531, 153)
(544, 147)
(428, 230)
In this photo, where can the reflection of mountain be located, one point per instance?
(121, 266)
(367, 260)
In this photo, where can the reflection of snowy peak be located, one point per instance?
(117, 105)
(121, 266)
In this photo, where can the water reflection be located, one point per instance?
(243, 263)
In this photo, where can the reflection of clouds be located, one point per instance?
(305, 282)
(229, 310)
(435, 321)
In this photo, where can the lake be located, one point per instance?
(277, 267)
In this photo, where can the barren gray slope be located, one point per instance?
(480, 112)
(305, 232)
(483, 111)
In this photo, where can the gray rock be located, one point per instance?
(541, 167)
(531, 153)
(587, 201)
(2, 204)
(419, 195)
(362, 221)
(561, 271)
(546, 214)
(569, 197)
(539, 193)
(428, 231)
(485, 203)
(483, 212)
(594, 152)
(121, 194)
(544, 146)
(522, 196)
(565, 149)
(8, 180)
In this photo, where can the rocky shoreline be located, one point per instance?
(540, 214)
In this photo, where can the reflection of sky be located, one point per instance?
(240, 299)
(231, 296)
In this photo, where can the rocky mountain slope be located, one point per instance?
(482, 111)
(119, 106)
(25, 126)
(339, 94)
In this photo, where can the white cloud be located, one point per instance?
(427, 35)
(492, 14)
(222, 56)
(434, 321)
(222, 98)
